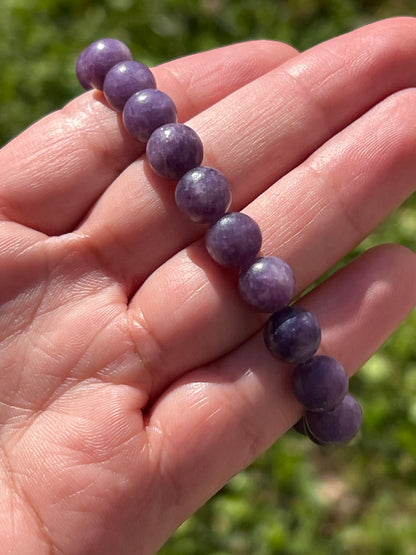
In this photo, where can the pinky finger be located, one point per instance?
(216, 420)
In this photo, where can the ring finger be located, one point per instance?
(312, 217)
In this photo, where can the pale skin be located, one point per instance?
(134, 382)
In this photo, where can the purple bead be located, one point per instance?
(320, 383)
(98, 58)
(268, 284)
(313, 438)
(174, 149)
(234, 240)
(339, 425)
(204, 194)
(147, 110)
(302, 428)
(81, 71)
(292, 334)
(124, 79)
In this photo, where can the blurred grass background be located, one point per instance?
(297, 498)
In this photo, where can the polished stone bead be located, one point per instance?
(124, 79)
(147, 110)
(174, 149)
(268, 284)
(234, 240)
(98, 58)
(203, 194)
(292, 334)
(81, 71)
(320, 383)
(337, 426)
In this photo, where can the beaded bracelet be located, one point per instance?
(233, 239)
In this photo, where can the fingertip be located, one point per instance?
(402, 262)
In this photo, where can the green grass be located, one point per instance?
(297, 498)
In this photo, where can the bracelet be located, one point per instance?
(233, 239)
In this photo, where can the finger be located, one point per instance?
(311, 218)
(255, 136)
(217, 420)
(53, 172)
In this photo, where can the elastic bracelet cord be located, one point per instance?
(233, 239)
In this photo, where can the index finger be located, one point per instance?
(52, 173)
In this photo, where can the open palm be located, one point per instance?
(134, 382)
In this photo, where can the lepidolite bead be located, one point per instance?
(147, 110)
(124, 79)
(268, 284)
(174, 149)
(234, 240)
(320, 383)
(203, 194)
(81, 71)
(302, 429)
(292, 334)
(339, 425)
(98, 58)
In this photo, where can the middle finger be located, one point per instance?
(254, 136)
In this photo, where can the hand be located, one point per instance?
(134, 382)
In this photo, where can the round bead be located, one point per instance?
(98, 58)
(147, 110)
(339, 425)
(234, 240)
(320, 383)
(203, 194)
(268, 284)
(124, 79)
(174, 149)
(302, 428)
(292, 334)
(81, 71)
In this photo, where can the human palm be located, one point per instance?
(134, 381)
